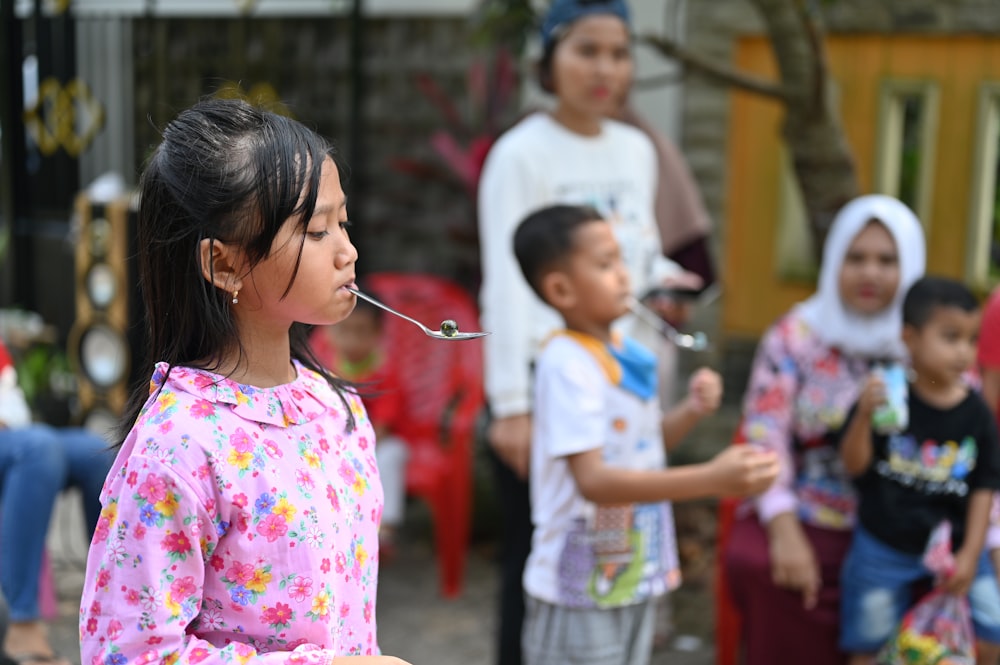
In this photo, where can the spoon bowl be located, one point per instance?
(697, 341)
(430, 332)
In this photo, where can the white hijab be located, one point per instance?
(878, 335)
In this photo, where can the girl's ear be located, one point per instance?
(220, 263)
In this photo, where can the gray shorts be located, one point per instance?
(555, 635)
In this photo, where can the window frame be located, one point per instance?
(982, 193)
(888, 153)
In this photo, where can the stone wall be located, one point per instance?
(406, 222)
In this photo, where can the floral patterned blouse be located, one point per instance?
(237, 523)
(799, 395)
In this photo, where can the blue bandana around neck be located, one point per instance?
(638, 368)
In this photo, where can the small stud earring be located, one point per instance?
(236, 296)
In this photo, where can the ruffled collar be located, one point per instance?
(306, 398)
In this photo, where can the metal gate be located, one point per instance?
(42, 109)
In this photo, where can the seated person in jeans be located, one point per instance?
(36, 463)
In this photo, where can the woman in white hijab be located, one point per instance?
(786, 547)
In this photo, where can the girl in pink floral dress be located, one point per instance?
(240, 519)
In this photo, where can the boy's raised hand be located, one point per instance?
(872, 395)
(705, 391)
(743, 470)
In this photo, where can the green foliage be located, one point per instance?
(41, 370)
(506, 23)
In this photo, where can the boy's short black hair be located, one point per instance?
(545, 237)
(930, 293)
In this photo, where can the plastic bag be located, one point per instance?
(938, 629)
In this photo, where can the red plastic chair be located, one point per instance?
(443, 391)
(727, 616)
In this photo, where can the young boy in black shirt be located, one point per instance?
(943, 465)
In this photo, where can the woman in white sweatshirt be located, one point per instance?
(572, 154)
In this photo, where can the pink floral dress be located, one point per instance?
(237, 523)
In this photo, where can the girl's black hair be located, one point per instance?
(225, 171)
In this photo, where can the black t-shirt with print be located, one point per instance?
(928, 472)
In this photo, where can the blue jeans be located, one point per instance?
(36, 463)
(876, 583)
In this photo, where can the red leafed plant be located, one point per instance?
(461, 145)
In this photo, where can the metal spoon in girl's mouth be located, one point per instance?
(449, 329)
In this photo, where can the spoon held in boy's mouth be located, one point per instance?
(692, 341)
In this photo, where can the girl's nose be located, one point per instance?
(346, 256)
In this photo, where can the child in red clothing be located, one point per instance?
(353, 350)
(988, 353)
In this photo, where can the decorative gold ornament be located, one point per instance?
(64, 116)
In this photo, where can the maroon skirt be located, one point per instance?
(776, 629)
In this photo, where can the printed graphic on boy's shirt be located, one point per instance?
(616, 559)
(612, 545)
(930, 468)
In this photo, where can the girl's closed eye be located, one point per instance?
(346, 224)
(322, 233)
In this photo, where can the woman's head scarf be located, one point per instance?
(877, 335)
(562, 13)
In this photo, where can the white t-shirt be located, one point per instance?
(538, 163)
(584, 555)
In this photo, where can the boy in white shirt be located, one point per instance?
(603, 546)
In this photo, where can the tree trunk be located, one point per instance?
(822, 160)
(824, 169)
